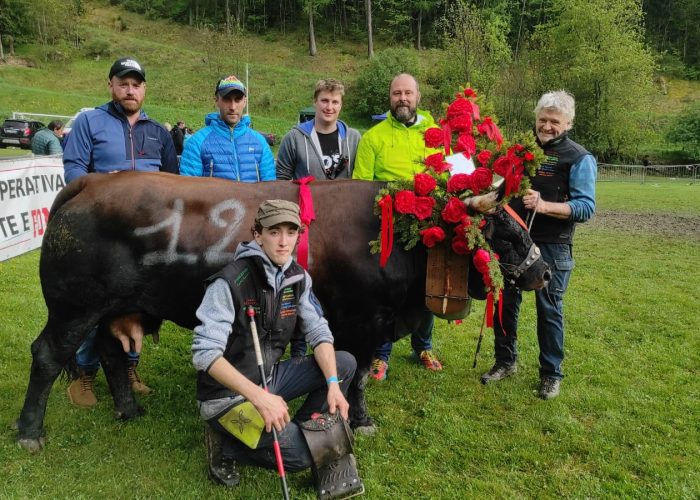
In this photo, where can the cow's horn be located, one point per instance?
(482, 203)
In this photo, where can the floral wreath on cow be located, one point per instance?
(430, 209)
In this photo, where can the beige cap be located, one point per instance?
(274, 212)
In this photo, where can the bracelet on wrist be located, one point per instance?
(330, 380)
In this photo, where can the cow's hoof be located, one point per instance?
(31, 445)
(138, 411)
(365, 430)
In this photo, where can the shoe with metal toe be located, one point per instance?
(430, 361)
(378, 369)
(499, 372)
(549, 387)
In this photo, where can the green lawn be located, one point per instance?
(625, 425)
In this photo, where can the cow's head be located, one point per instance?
(520, 260)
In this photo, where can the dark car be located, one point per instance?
(18, 133)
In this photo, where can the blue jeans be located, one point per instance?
(87, 359)
(291, 379)
(550, 314)
(421, 339)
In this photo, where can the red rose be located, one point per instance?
(469, 92)
(465, 223)
(437, 162)
(461, 123)
(459, 106)
(434, 137)
(454, 210)
(481, 179)
(423, 207)
(484, 157)
(502, 165)
(482, 223)
(423, 184)
(432, 236)
(481, 261)
(529, 156)
(519, 148)
(459, 182)
(466, 144)
(460, 245)
(405, 202)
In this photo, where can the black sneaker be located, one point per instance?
(499, 372)
(225, 472)
(549, 387)
(222, 470)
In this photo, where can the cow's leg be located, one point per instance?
(360, 421)
(114, 364)
(51, 352)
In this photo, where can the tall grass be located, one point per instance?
(625, 424)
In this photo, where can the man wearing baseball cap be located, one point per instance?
(227, 146)
(114, 137)
(265, 277)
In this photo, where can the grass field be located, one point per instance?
(626, 423)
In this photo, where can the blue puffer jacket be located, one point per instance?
(238, 154)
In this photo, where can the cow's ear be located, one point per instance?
(489, 228)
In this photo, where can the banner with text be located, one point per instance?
(28, 187)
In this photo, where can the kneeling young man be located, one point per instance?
(264, 276)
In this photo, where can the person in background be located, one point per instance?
(114, 137)
(178, 135)
(324, 147)
(393, 149)
(47, 141)
(227, 147)
(562, 194)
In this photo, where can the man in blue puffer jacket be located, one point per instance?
(227, 147)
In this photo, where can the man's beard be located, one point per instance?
(130, 106)
(404, 113)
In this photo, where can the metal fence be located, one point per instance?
(689, 174)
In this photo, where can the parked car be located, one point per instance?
(18, 133)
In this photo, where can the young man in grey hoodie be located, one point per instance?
(323, 147)
(264, 276)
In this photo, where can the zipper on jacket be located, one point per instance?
(131, 143)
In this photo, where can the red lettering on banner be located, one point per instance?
(40, 217)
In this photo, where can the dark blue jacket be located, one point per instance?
(238, 154)
(103, 141)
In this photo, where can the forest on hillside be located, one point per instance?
(613, 55)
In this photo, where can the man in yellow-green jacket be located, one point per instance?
(395, 149)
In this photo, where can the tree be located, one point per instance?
(370, 41)
(595, 49)
(686, 132)
(310, 7)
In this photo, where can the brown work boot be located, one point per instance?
(137, 384)
(81, 390)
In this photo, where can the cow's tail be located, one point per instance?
(68, 193)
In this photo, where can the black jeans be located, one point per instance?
(291, 379)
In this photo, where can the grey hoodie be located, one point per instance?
(300, 152)
(217, 311)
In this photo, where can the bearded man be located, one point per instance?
(113, 137)
(395, 149)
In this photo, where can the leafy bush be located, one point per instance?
(370, 94)
(685, 131)
(97, 47)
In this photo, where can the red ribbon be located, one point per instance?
(387, 206)
(515, 216)
(307, 215)
(489, 310)
(447, 137)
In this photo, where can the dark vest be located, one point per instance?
(275, 318)
(552, 181)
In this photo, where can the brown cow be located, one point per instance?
(141, 244)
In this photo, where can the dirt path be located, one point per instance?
(665, 225)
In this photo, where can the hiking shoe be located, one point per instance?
(549, 387)
(499, 372)
(378, 369)
(137, 384)
(430, 361)
(222, 470)
(81, 391)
